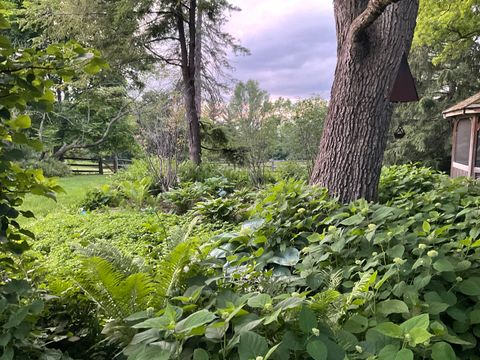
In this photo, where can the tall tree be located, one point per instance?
(372, 36)
(188, 34)
(445, 54)
(251, 119)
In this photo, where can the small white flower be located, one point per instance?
(458, 279)
(398, 261)
(359, 349)
(432, 253)
(422, 246)
(374, 253)
(315, 331)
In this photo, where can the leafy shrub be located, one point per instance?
(225, 209)
(135, 191)
(104, 196)
(188, 172)
(138, 169)
(50, 167)
(307, 277)
(291, 170)
(407, 181)
(187, 195)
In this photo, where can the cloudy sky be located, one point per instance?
(292, 45)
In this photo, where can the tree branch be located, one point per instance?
(372, 12)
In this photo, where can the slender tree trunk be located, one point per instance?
(372, 37)
(198, 62)
(188, 66)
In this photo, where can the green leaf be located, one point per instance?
(195, 320)
(21, 122)
(353, 220)
(388, 307)
(442, 265)
(404, 354)
(4, 24)
(388, 352)
(271, 351)
(356, 324)
(289, 257)
(259, 301)
(474, 317)
(317, 350)
(470, 286)
(307, 320)
(17, 317)
(443, 351)
(5, 338)
(420, 321)
(200, 354)
(273, 316)
(396, 251)
(251, 345)
(390, 329)
(419, 335)
(426, 226)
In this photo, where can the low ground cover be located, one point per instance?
(280, 272)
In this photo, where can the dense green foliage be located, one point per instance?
(26, 85)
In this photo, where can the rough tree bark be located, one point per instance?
(372, 36)
(188, 66)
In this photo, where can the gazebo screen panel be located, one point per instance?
(462, 141)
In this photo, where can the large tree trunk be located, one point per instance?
(372, 37)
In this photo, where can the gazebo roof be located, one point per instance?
(467, 106)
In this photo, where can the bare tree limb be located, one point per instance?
(372, 12)
(78, 145)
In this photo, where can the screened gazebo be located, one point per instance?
(466, 141)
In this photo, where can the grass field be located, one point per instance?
(75, 189)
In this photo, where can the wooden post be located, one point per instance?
(115, 163)
(100, 166)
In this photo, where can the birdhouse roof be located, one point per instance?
(467, 106)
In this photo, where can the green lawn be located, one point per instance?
(75, 189)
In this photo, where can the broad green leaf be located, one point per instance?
(195, 320)
(404, 354)
(390, 329)
(470, 286)
(426, 226)
(388, 352)
(353, 220)
(17, 317)
(356, 324)
(419, 335)
(442, 265)
(420, 321)
(251, 345)
(5, 338)
(200, 354)
(396, 251)
(388, 307)
(443, 351)
(21, 122)
(216, 330)
(317, 350)
(307, 320)
(289, 257)
(474, 317)
(259, 301)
